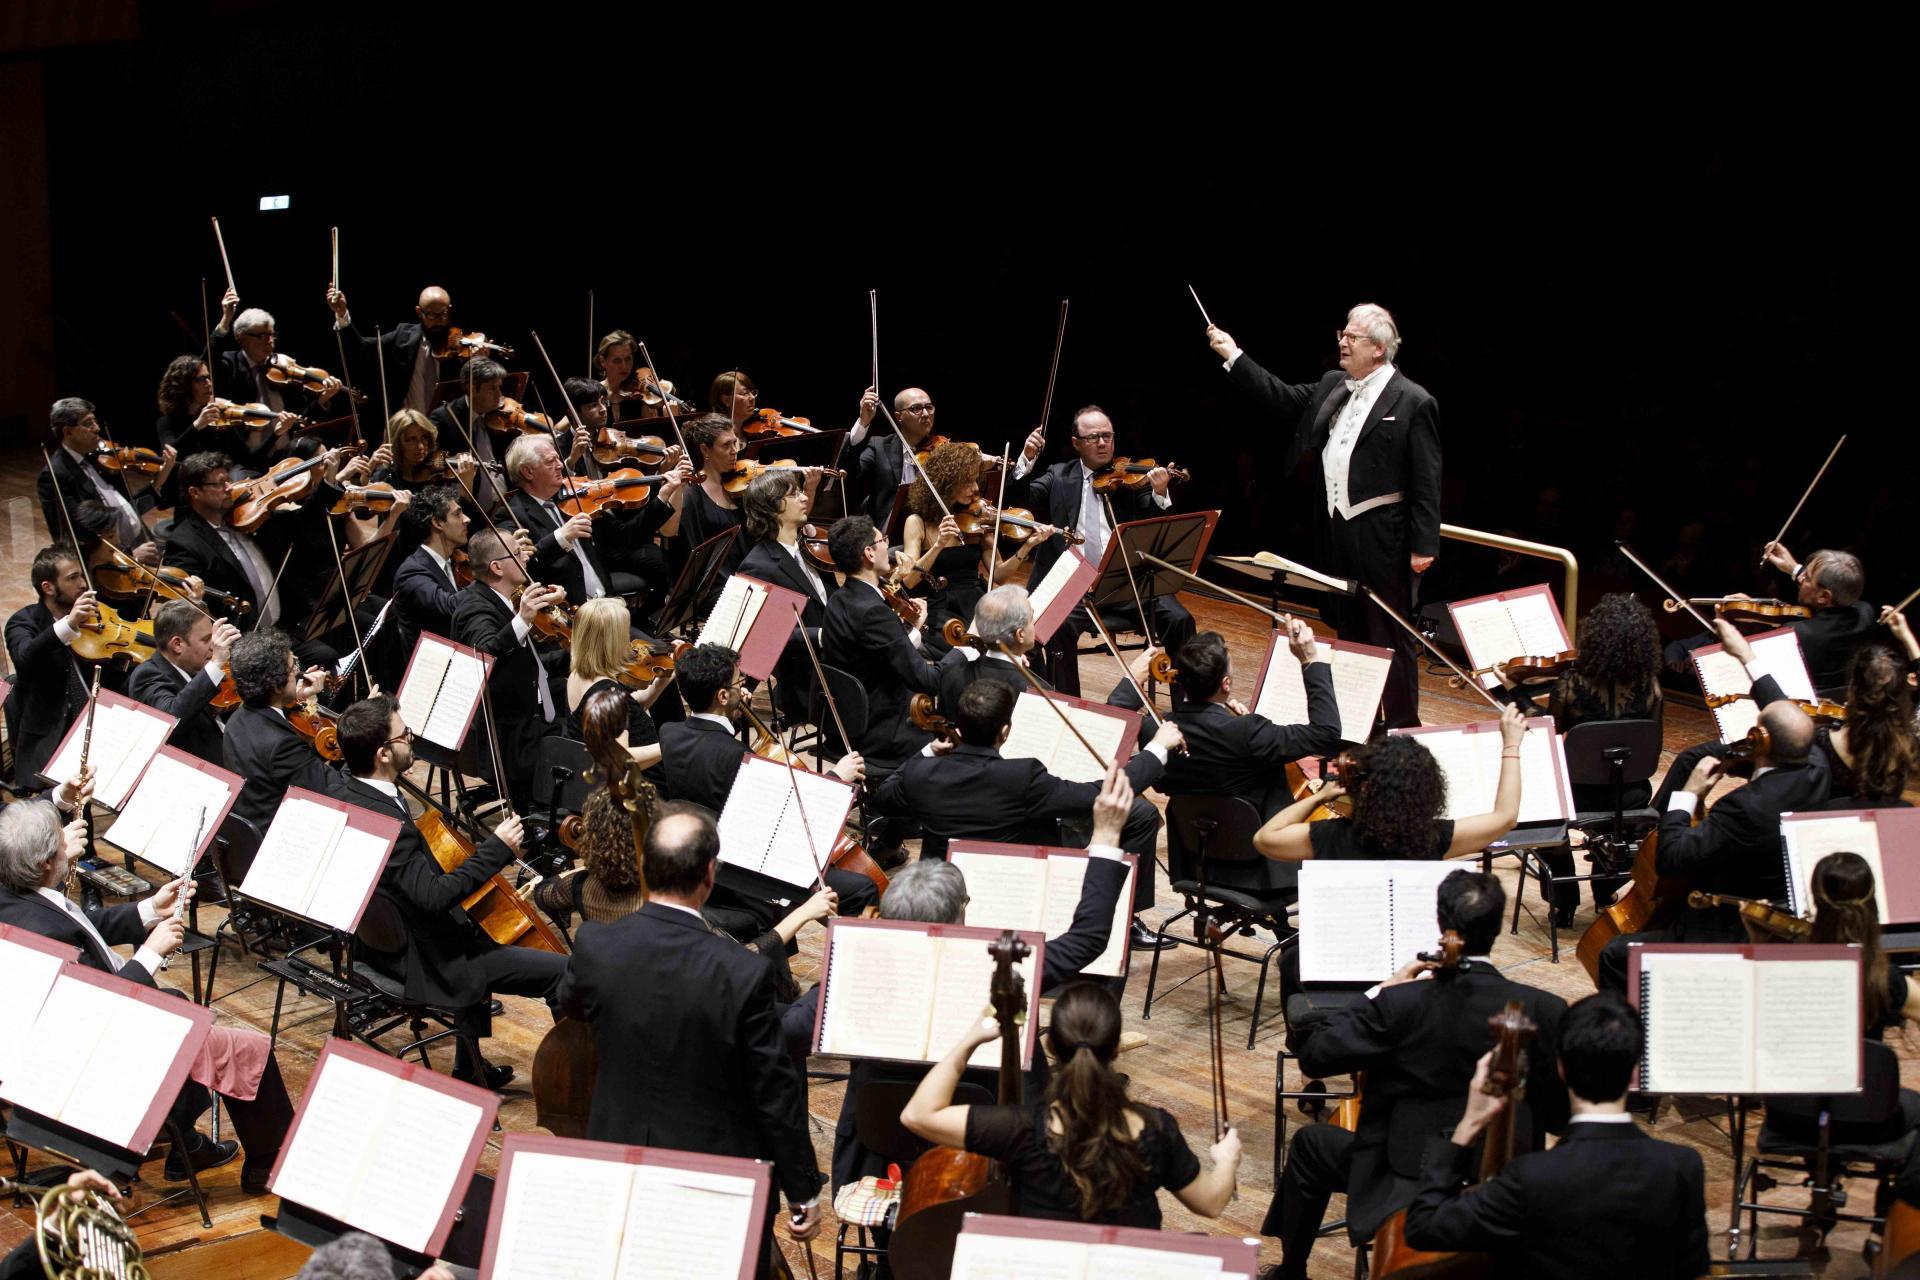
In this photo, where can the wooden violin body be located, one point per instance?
(1765, 922)
(317, 729)
(618, 449)
(768, 423)
(461, 345)
(747, 470)
(564, 1068)
(627, 489)
(287, 481)
(128, 458)
(1014, 523)
(110, 636)
(1132, 473)
(513, 416)
(920, 710)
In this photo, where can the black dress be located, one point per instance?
(641, 731)
(961, 567)
(1339, 839)
(1574, 702)
(702, 518)
(1042, 1188)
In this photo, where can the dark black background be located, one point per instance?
(1648, 322)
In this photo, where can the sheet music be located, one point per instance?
(963, 994)
(734, 612)
(98, 1059)
(978, 1256)
(1806, 1027)
(123, 741)
(1778, 652)
(1343, 910)
(879, 993)
(437, 698)
(1416, 908)
(1359, 678)
(357, 860)
(1698, 1012)
(1059, 574)
(1471, 763)
(1037, 734)
(760, 826)
(421, 687)
(546, 1188)
(686, 1224)
(294, 854)
(1006, 891)
(160, 818)
(1488, 634)
(1808, 840)
(1126, 1262)
(1270, 560)
(27, 974)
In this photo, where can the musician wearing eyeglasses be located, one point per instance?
(77, 471)
(881, 465)
(412, 371)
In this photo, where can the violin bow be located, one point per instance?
(67, 516)
(1203, 306)
(673, 419)
(1465, 679)
(1053, 372)
(813, 848)
(593, 349)
(340, 345)
(346, 600)
(1094, 616)
(222, 242)
(1660, 582)
(262, 610)
(1795, 514)
(1065, 719)
(1911, 597)
(820, 674)
(493, 742)
(566, 477)
(1226, 593)
(993, 539)
(206, 328)
(142, 570)
(386, 409)
(873, 330)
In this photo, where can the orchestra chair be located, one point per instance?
(851, 697)
(876, 1123)
(1313, 1099)
(1825, 1163)
(1600, 753)
(1213, 866)
(256, 927)
(384, 1004)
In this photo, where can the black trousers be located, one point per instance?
(1376, 547)
(1318, 1160)
(509, 971)
(1721, 924)
(1167, 621)
(261, 1123)
(1138, 835)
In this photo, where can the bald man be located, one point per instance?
(879, 466)
(412, 370)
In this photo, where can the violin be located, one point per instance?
(1015, 523)
(462, 565)
(287, 481)
(771, 424)
(900, 602)
(748, 469)
(641, 385)
(1532, 669)
(1820, 709)
(229, 414)
(377, 498)
(440, 465)
(1737, 610)
(1127, 473)
(555, 621)
(623, 490)
(109, 636)
(813, 545)
(616, 448)
(119, 575)
(114, 457)
(461, 345)
(284, 369)
(1764, 920)
(513, 416)
(932, 442)
(644, 665)
(317, 729)
(1743, 757)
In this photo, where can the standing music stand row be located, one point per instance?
(1179, 539)
(1272, 570)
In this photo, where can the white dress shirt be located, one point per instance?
(812, 578)
(126, 521)
(521, 629)
(148, 960)
(254, 562)
(1345, 433)
(595, 588)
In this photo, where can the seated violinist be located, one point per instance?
(953, 567)
(777, 505)
(880, 465)
(1830, 584)
(589, 555)
(464, 423)
(709, 510)
(448, 962)
(191, 653)
(243, 352)
(415, 457)
(863, 635)
(426, 587)
(261, 744)
(50, 684)
(600, 650)
(77, 471)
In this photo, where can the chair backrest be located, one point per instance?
(850, 696)
(382, 927)
(876, 1117)
(567, 754)
(235, 846)
(1222, 828)
(1589, 745)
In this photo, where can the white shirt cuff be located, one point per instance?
(1021, 466)
(1683, 802)
(148, 916)
(1163, 500)
(928, 749)
(520, 628)
(148, 960)
(856, 433)
(1157, 749)
(215, 672)
(566, 543)
(344, 321)
(914, 637)
(1228, 366)
(1757, 668)
(1106, 851)
(63, 630)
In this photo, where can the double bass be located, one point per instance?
(945, 1184)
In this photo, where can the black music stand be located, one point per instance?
(704, 568)
(362, 565)
(30, 1129)
(1179, 539)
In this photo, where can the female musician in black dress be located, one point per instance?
(1085, 1152)
(186, 418)
(953, 471)
(709, 509)
(602, 642)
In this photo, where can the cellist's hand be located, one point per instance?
(851, 767)
(804, 1223)
(1482, 1106)
(1226, 1152)
(981, 1032)
(85, 611)
(511, 832)
(821, 906)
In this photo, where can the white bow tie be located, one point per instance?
(1353, 388)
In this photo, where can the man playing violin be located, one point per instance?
(243, 352)
(863, 635)
(191, 653)
(495, 614)
(413, 371)
(1830, 584)
(590, 556)
(50, 681)
(262, 745)
(881, 465)
(465, 420)
(426, 587)
(76, 471)
(1063, 496)
(1377, 436)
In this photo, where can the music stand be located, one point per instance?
(465, 1243)
(704, 567)
(1275, 576)
(1179, 539)
(362, 565)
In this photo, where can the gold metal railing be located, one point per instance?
(1570, 580)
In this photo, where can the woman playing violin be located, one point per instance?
(952, 470)
(187, 418)
(412, 457)
(601, 649)
(614, 358)
(733, 395)
(709, 509)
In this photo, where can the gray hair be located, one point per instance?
(250, 322)
(1000, 613)
(1378, 322)
(29, 835)
(930, 891)
(1839, 572)
(353, 1256)
(521, 454)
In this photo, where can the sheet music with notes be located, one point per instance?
(125, 736)
(1054, 597)
(995, 1247)
(1507, 625)
(1036, 888)
(1748, 1019)
(761, 828)
(1359, 678)
(637, 1213)
(1361, 920)
(440, 694)
(384, 1146)
(1888, 839)
(1324, 581)
(177, 796)
(320, 859)
(907, 991)
(29, 964)
(1778, 651)
(1038, 734)
(734, 612)
(108, 1056)
(1469, 756)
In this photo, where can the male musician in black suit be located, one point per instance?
(425, 588)
(976, 793)
(243, 352)
(879, 465)
(1003, 623)
(412, 370)
(1735, 849)
(465, 417)
(448, 961)
(520, 689)
(1063, 496)
(1538, 1215)
(260, 745)
(1830, 584)
(79, 477)
(1376, 436)
(587, 555)
(1418, 1042)
(691, 1059)
(35, 855)
(863, 636)
(190, 658)
(50, 681)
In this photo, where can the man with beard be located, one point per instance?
(412, 369)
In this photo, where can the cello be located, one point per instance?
(945, 1184)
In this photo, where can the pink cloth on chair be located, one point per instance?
(232, 1061)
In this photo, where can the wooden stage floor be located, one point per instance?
(1169, 1070)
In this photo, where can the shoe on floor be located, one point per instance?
(205, 1154)
(890, 858)
(253, 1181)
(1142, 938)
(494, 1078)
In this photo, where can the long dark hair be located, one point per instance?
(1879, 724)
(1399, 792)
(1844, 911)
(1095, 1144)
(1619, 645)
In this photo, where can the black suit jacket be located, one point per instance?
(77, 487)
(1828, 641)
(47, 691)
(876, 475)
(556, 564)
(691, 1058)
(768, 561)
(483, 621)
(1398, 450)
(1248, 755)
(698, 762)
(120, 926)
(975, 792)
(958, 674)
(439, 967)
(1537, 1217)
(424, 597)
(158, 683)
(1418, 1043)
(864, 637)
(271, 755)
(399, 347)
(1054, 495)
(1735, 849)
(197, 547)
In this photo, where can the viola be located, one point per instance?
(1763, 920)
(119, 575)
(748, 469)
(644, 666)
(461, 345)
(653, 392)
(1743, 757)
(925, 447)
(1129, 473)
(287, 481)
(813, 545)
(624, 490)
(1015, 523)
(771, 423)
(1819, 709)
(114, 457)
(462, 565)
(229, 414)
(227, 696)
(317, 729)
(900, 602)
(921, 711)
(555, 621)
(616, 448)
(514, 416)
(288, 371)
(1527, 670)
(110, 636)
(378, 498)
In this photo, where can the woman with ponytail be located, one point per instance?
(1084, 1152)
(1844, 912)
